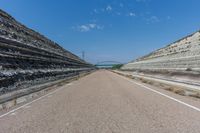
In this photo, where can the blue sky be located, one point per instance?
(118, 30)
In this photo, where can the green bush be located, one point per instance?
(118, 66)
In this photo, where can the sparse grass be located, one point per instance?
(194, 94)
(168, 88)
(174, 89)
(179, 91)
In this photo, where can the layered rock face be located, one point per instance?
(182, 55)
(27, 58)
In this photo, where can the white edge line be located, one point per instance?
(169, 97)
(31, 102)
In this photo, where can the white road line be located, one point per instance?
(42, 97)
(169, 97)
(13, 114)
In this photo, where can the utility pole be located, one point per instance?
(83, 55)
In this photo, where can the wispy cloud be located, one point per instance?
(123, 9)
(88, 27)
(109, 8)
(121, 5)
(114, 11)
(168, 17)
(131, 14)
(96, 11)
(118, 13)
(153, 19)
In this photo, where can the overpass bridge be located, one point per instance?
(107, 64)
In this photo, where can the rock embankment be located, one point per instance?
(27, 58)
(182, 55)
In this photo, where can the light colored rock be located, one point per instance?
(10, 104)
(1, 106)
(21, 100)
(180, 55)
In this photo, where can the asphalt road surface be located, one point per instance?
(104, 102)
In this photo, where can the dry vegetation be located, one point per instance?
(175, 89)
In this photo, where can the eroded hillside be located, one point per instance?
(183, 55)
(27, 58)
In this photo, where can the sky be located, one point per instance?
(108, 30)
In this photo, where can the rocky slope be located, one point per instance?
(27, 58)
(182, 55)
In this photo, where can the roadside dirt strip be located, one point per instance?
(104, 102)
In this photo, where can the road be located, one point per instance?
(104, 102)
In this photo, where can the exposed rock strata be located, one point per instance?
(182, 55)
(27, 58)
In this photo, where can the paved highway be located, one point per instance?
(104, 102)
